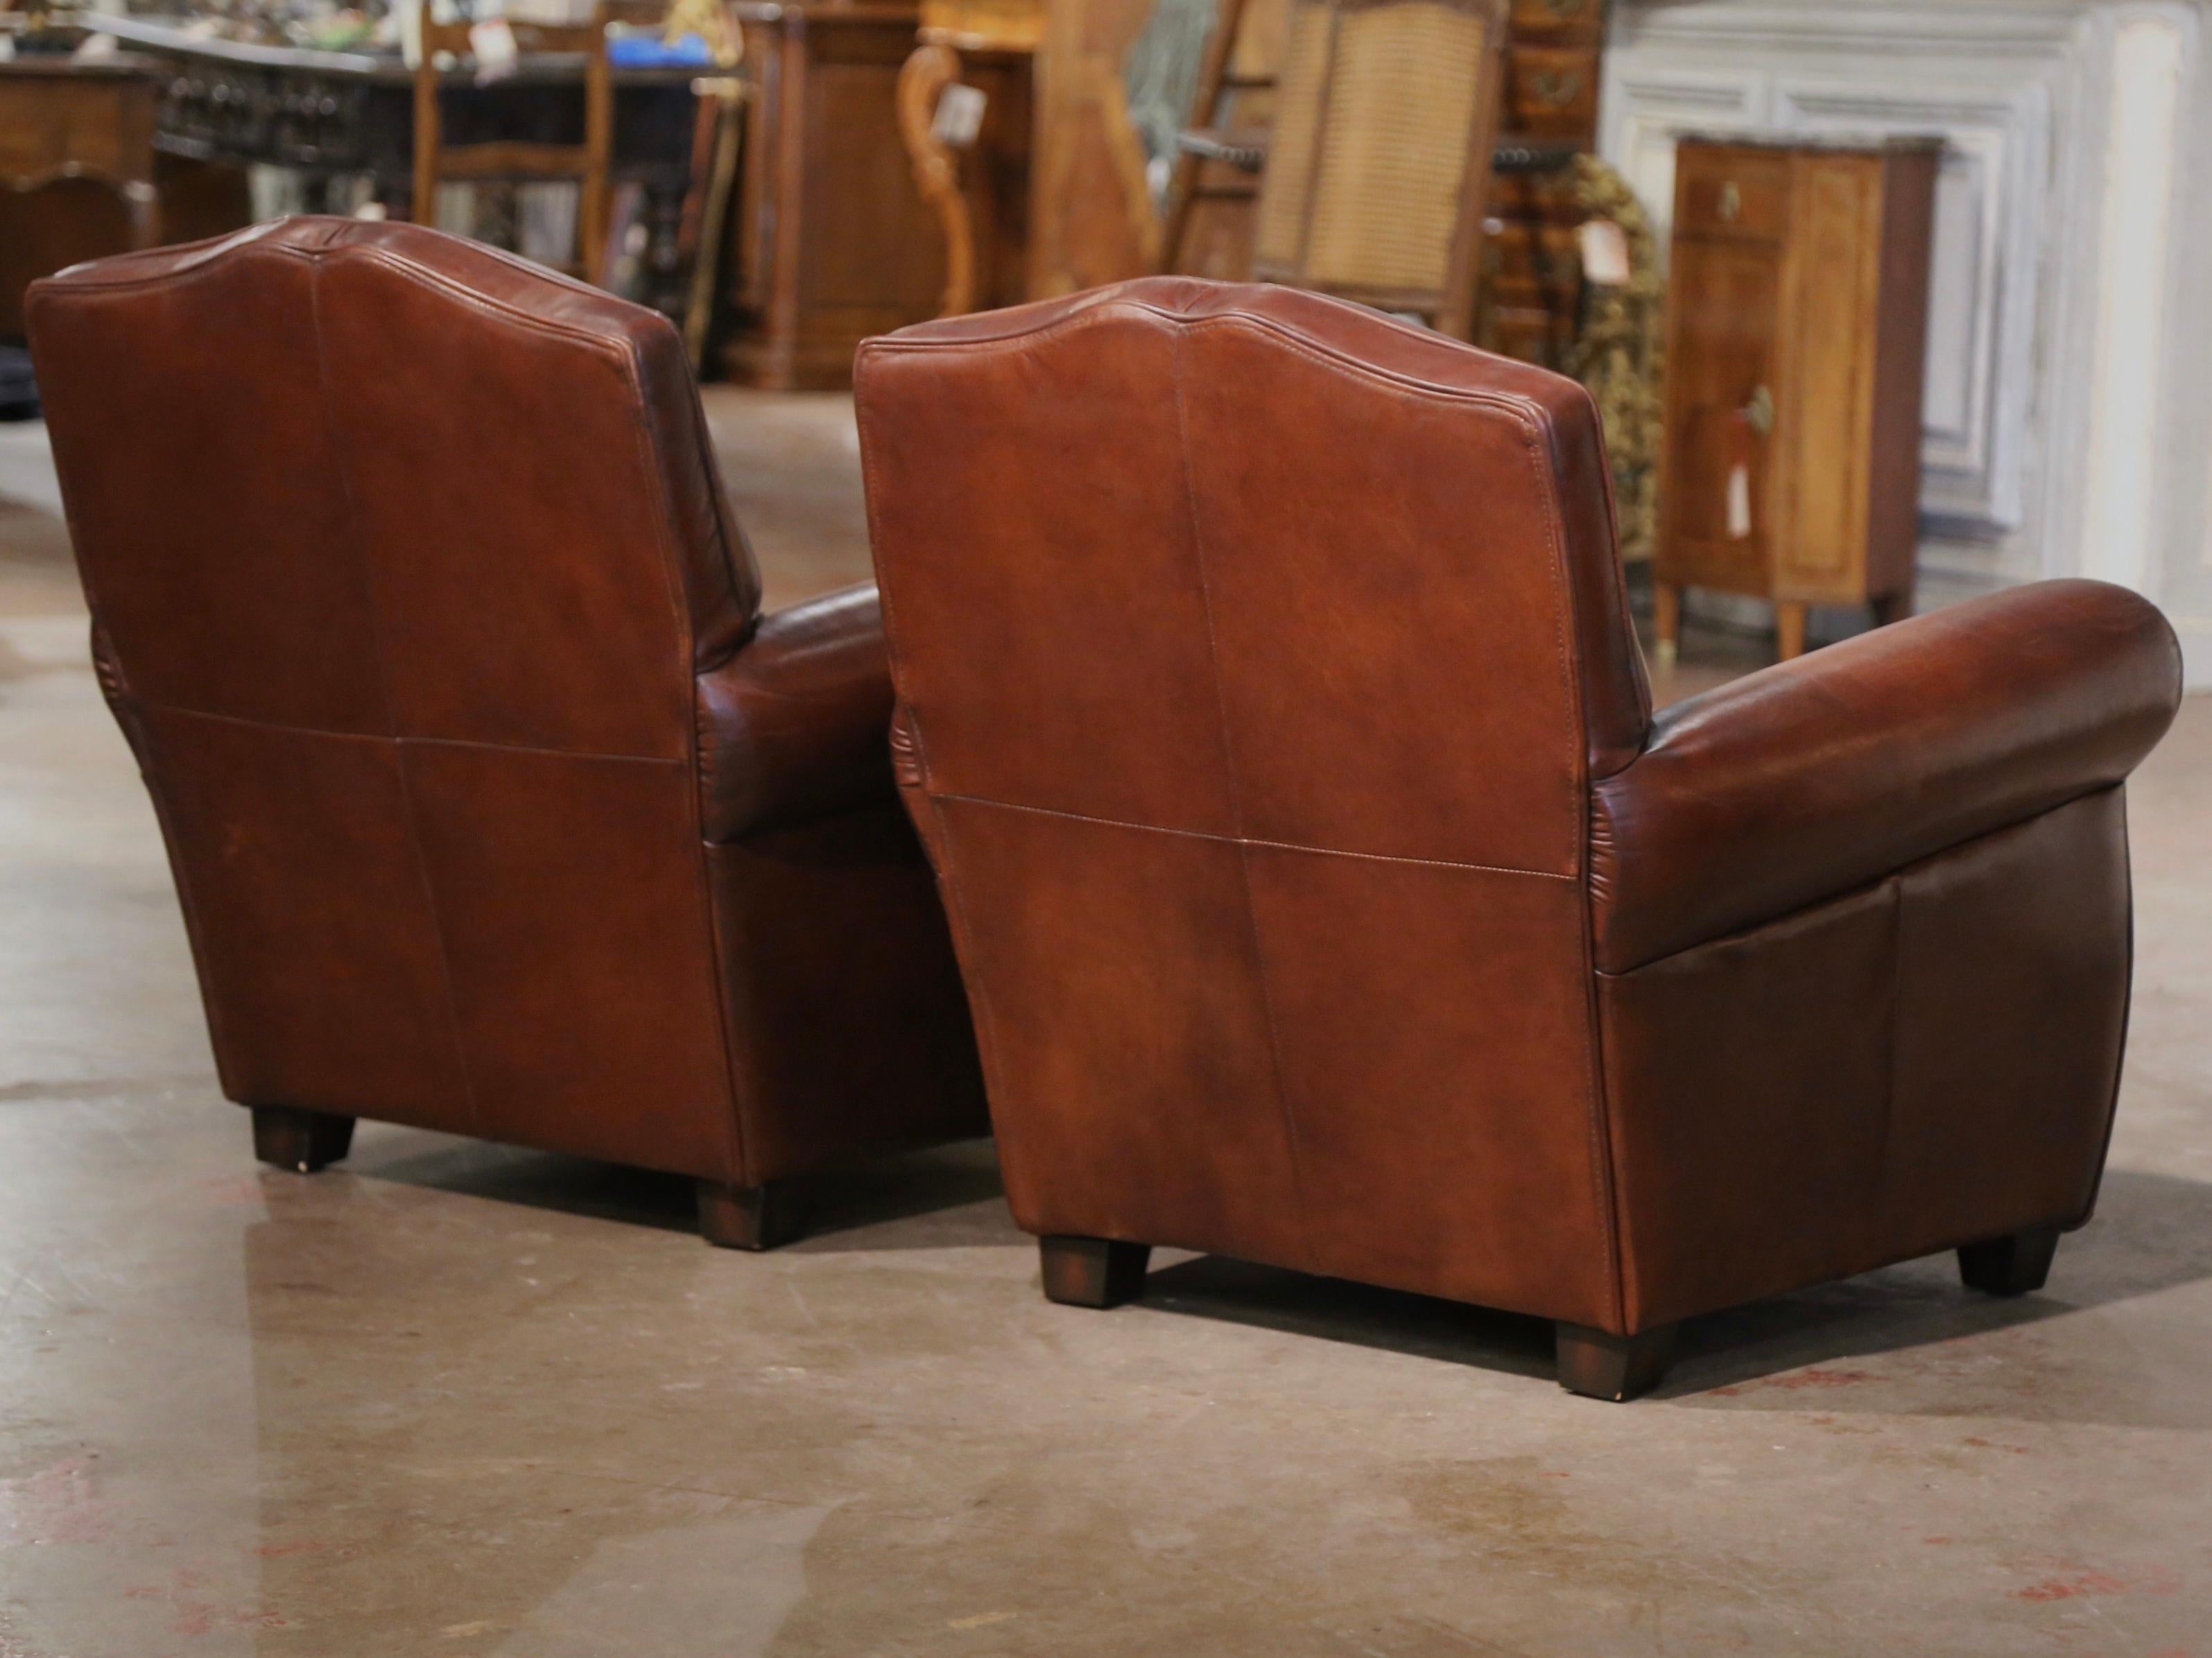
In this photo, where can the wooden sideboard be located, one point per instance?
(1798, 326)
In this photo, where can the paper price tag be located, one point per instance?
(492, 44)
(959, 117)
(1739, 501)
(1605, 252)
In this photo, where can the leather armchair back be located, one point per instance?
(403, 555)
(1254, 654)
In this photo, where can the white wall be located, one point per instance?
(2070, 360)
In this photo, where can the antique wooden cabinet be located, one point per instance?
(832, 242)
(1796, 332)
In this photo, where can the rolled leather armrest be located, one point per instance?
(796, 724)
(1807, 779)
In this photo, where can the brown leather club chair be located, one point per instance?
(494, 803)
(1329, 897)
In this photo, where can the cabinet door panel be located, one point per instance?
(1720, 356)
(1828, 413)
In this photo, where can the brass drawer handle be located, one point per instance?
(1731, 202)
(1557, 88)
(1759, 413)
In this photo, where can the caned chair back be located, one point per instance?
(1378, 165)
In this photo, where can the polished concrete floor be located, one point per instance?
(458, 1399)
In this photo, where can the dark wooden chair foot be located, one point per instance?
(287, 1138)
(1600, 1366)
(1092, 1271)
(2015, 1265)
(749, 1217)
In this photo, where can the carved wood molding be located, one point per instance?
(921, 82)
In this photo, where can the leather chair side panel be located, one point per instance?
(1433, 1025)
(2013, 976)
(1020, 579)
(580, 947)
(318, 953)
(1389, 612)
(504, 507)
(205, 492)
(1927, 1062)
(840, 975)
(1115, 978)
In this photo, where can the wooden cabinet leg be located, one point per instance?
(748, 1217)
(1789, 629)
(2016, 1265)
(1600, 1366)
(1092, 1271)
(1666, 620)
(286, 1137)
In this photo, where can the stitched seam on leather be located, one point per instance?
(217, 1039)
(986, 1046)
(2127, 1010)
(1868, 884)
(704, 457)
(737, 1161)
(423, 742)
(1236, 814)
(1882, 1159)
(365, 565)
(103, 649)
(949, 888)
(1521, 409)
(1294, 339)
(1233, 840)
(212, 262)
(1591, 1061)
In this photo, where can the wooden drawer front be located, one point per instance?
(1551, 92)
(1731, 192)
(1534, 195)
(1529, 334)
(1578, 23)
(47, 122)
(33, 129)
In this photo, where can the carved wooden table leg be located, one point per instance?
(921, 82)
(1092, 1271)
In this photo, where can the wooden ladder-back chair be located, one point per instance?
(589, 164)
